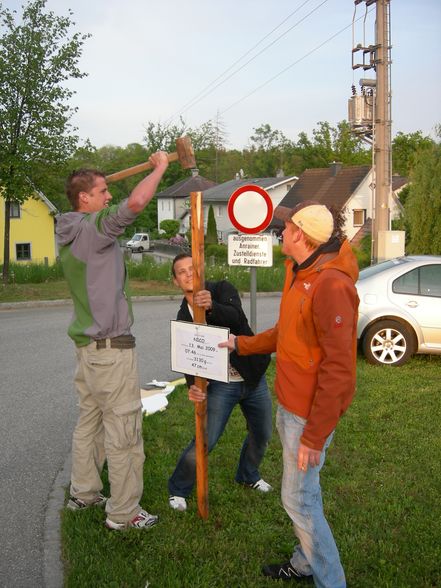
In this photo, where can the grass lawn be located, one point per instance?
(58, 290)
(381, 485)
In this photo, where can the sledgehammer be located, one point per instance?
(184, 154)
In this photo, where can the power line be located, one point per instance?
(182, 109)
(289, 67)
(203, 93)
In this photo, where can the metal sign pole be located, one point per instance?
(253, 296)
(250, 210)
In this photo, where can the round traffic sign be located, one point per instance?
(250, 209)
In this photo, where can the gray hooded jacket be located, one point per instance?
(95, 271)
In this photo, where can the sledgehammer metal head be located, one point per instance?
(184, 154)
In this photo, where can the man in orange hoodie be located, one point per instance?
(315, 342)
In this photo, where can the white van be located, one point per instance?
(139, 242)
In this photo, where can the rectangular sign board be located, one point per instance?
(250, 250)
(195, 351)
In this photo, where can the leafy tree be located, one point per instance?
(211, 235)
(266, 139)
(53, 176)
(347, 147)
(229, 163)
(37, 56)
(403, 194)
(319, 151)
(331, 144)
(162, 136)
(208, 136)
(363, 252)
(268, 153)
(423, 204)
(207, 141)
(209, 144)
(170, 227)
(271, 150)
(404, 149)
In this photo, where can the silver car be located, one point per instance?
(400, 309)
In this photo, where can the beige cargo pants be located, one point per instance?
(109, 427)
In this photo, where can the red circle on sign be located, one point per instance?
(234, 196)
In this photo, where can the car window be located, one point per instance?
(422, 281)
(407, 283)
(430, 280)
(367, 272)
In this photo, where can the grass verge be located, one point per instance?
(58, 290)
(35, 283)
(380, 483)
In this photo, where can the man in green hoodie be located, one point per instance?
(109, 424)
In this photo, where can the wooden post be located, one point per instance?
(197, 252)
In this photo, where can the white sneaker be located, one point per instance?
(143, 520)
(262, 486)
(78, 504)
(177, 503)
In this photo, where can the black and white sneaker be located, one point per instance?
(143, 520)
(78, 504)
(261, 485)
(177, 503)
(285, 572)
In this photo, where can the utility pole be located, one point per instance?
(375, 102)
(382, 144)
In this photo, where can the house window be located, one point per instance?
(359, 217)
(14, 210)
(219, 211)
(23, 251)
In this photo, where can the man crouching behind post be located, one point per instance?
(109, 424)
(246, 388)
(315, 339)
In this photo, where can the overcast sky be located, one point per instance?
(150, 61)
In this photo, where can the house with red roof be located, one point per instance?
(174, 202)
(343, 188)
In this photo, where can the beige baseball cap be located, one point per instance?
(313, 218)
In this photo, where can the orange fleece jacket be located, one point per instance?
(315, 340)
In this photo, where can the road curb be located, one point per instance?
(68, 301)
(34, 304)
(53, 569)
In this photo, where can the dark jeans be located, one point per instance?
(222, 398)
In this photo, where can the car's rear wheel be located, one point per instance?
(388, 343)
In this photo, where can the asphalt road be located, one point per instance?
(39, 411)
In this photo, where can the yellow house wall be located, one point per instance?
(35, 226)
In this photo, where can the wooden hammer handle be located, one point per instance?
(136, 169)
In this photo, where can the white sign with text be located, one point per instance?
(250, 250)
(195, 351)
